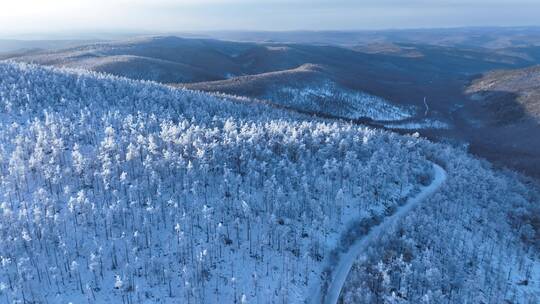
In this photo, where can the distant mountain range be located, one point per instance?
(422, 80)
(468, 37)
(391, 75)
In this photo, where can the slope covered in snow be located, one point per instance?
(310, 88)
(330, 291)
(476, 240)
(114, 190)
(327, 97)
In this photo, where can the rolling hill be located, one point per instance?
(511, 95)
(309, 89)
(467, 37)
(16, 47)
(169, 59)
(138, 190)
(509, 103)
(120, 190)
(420, 83)
(222, 60)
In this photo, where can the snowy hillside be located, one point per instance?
(114, 189)
(310, 88)
(327, 97)
(120, 191)
(475, 241)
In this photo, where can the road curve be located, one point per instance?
(346, 260)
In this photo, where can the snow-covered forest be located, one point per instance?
(116, 189)
(327, 97)
(121, 191)
(474, 241)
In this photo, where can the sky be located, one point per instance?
(159, 16)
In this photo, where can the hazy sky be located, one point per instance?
(53, 16)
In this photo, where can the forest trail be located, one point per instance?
(347, 259)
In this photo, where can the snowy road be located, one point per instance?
(347, 259)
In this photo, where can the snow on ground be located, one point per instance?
(330, 98)
(419, 125)
(121, 191)
(115, 190)
(473, 241)
(340, 270)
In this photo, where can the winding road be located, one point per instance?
(346, 260)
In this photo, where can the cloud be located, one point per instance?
(186, 15)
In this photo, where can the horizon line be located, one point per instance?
(69, 35)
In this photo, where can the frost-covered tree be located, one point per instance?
(114, 190)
